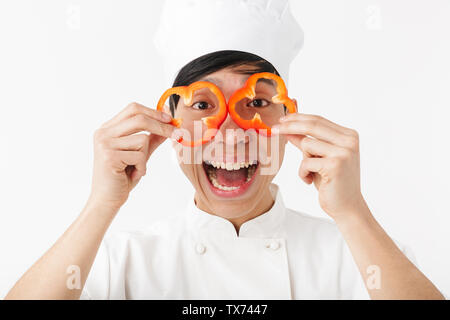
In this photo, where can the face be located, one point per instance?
(232, 173)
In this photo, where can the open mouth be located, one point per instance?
(230, 179)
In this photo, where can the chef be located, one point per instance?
(236, 239)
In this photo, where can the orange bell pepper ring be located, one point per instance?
(212, 122)
(248, 91)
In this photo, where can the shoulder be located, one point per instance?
(318, 239)
(165, 230)
(324, 233)
(309, 219)
(311, 226)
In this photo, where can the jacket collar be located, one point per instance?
(266, 225)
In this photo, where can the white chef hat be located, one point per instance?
(191, 28)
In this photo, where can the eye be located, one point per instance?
(202, 105)
(258, 103)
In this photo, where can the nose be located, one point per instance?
(232, 134)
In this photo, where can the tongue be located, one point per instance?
(233, 178)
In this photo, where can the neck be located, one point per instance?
(264, 204)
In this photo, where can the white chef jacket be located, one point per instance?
(281, 254)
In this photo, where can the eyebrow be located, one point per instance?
(268, 81)
(218, 82)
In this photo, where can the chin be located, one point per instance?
(234, 197)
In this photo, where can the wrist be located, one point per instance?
(97, 207)
(358, 216)
(107, 199)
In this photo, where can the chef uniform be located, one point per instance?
(280, 254)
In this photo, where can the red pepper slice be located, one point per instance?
(248, 91)
(212, 122)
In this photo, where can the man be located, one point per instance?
(236, 240)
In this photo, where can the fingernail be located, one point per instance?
(166, 117)
(282, 118)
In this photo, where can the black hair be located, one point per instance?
(215, 61)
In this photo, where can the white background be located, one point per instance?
(381, 67)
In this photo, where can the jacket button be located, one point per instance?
(274, 245)
(200, 248)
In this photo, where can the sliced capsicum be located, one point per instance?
(212, 122)
(248, 91)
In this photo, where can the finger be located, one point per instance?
(136, 142)
(309, 167)
(138, 123)
(312, 117)
(123, 159)
(154, 142)
(310, 177)
(314, 147)
(316, 129)
(135, 108)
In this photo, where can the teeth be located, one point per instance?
(219, 186)
(231, 165)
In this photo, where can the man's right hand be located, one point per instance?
(121, 155)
